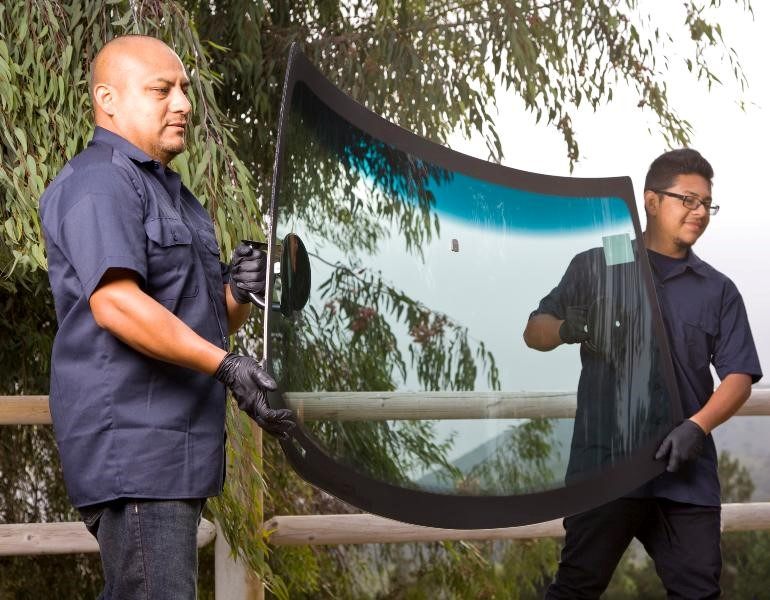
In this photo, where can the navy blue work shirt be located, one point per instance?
(622, 402)
(706, 324)
(127, 425)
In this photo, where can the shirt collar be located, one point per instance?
(167, 177)
(695, 263)
(692, 262)
(105, 136)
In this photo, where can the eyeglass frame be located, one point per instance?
(687, 199)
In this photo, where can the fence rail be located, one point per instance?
(59, 538)
(24, 410)
(65, 538)
(369, 529)
(381, 406)
(232, 580)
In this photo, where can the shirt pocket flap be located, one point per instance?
(706, 323)
(167, 231)
(209, 241)
(699, 336)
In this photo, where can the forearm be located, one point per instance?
(122, 308)
(237, 313)
(542, 332)
(732, 392)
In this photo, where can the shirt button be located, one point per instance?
(175, 236)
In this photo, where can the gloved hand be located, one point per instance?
(574, 329)
(682, 445)
(603, 327)
(247, 273)
(249, 383)
(608, 329)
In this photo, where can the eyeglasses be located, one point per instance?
(690, 202)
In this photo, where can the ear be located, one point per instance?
(651, 202)
(104, 98)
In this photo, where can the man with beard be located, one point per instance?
(144, 309)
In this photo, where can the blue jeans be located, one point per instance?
(148, 548)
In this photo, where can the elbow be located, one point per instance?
(114, 294)
(536, 338)
(105, 312)
(527, 337)
(532, 338)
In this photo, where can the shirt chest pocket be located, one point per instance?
(170, 261)
(699, 336)
(209, 241)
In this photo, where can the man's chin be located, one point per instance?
(685, 244)
(173, 149)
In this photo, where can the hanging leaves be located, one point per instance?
(433, 66)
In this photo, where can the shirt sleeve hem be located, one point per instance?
(113, 262)
(755, 375)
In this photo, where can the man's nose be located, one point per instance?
(180, 102)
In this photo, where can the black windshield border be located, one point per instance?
(443, 510)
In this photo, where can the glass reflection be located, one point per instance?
(407, 363)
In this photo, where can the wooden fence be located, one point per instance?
(232, 581)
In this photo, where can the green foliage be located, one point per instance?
(435, 65)
(744, 553)
(45, 52)
(424, 64)
(31, 487)
(510, 570)
(239, 509)
(521, 464)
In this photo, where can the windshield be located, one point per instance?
(416, 393)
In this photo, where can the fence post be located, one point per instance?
(232, 578)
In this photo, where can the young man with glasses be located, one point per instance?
(676, 516)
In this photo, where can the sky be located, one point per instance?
(621, 139)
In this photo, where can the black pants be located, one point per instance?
(681, 539)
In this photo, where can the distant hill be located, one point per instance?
(560, 436)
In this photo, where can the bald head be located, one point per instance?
(139, 91)
(120, 54)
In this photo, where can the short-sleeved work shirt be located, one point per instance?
(127, 425)
(622, 402)
(706, 323)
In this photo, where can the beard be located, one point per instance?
(168, 149)
(684, 244)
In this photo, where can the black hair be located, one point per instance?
(668, 166)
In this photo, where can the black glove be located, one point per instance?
(574, 329)
(247, 273)
(608, 329)
(249, 383)
(603, 327)
(682, 445)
